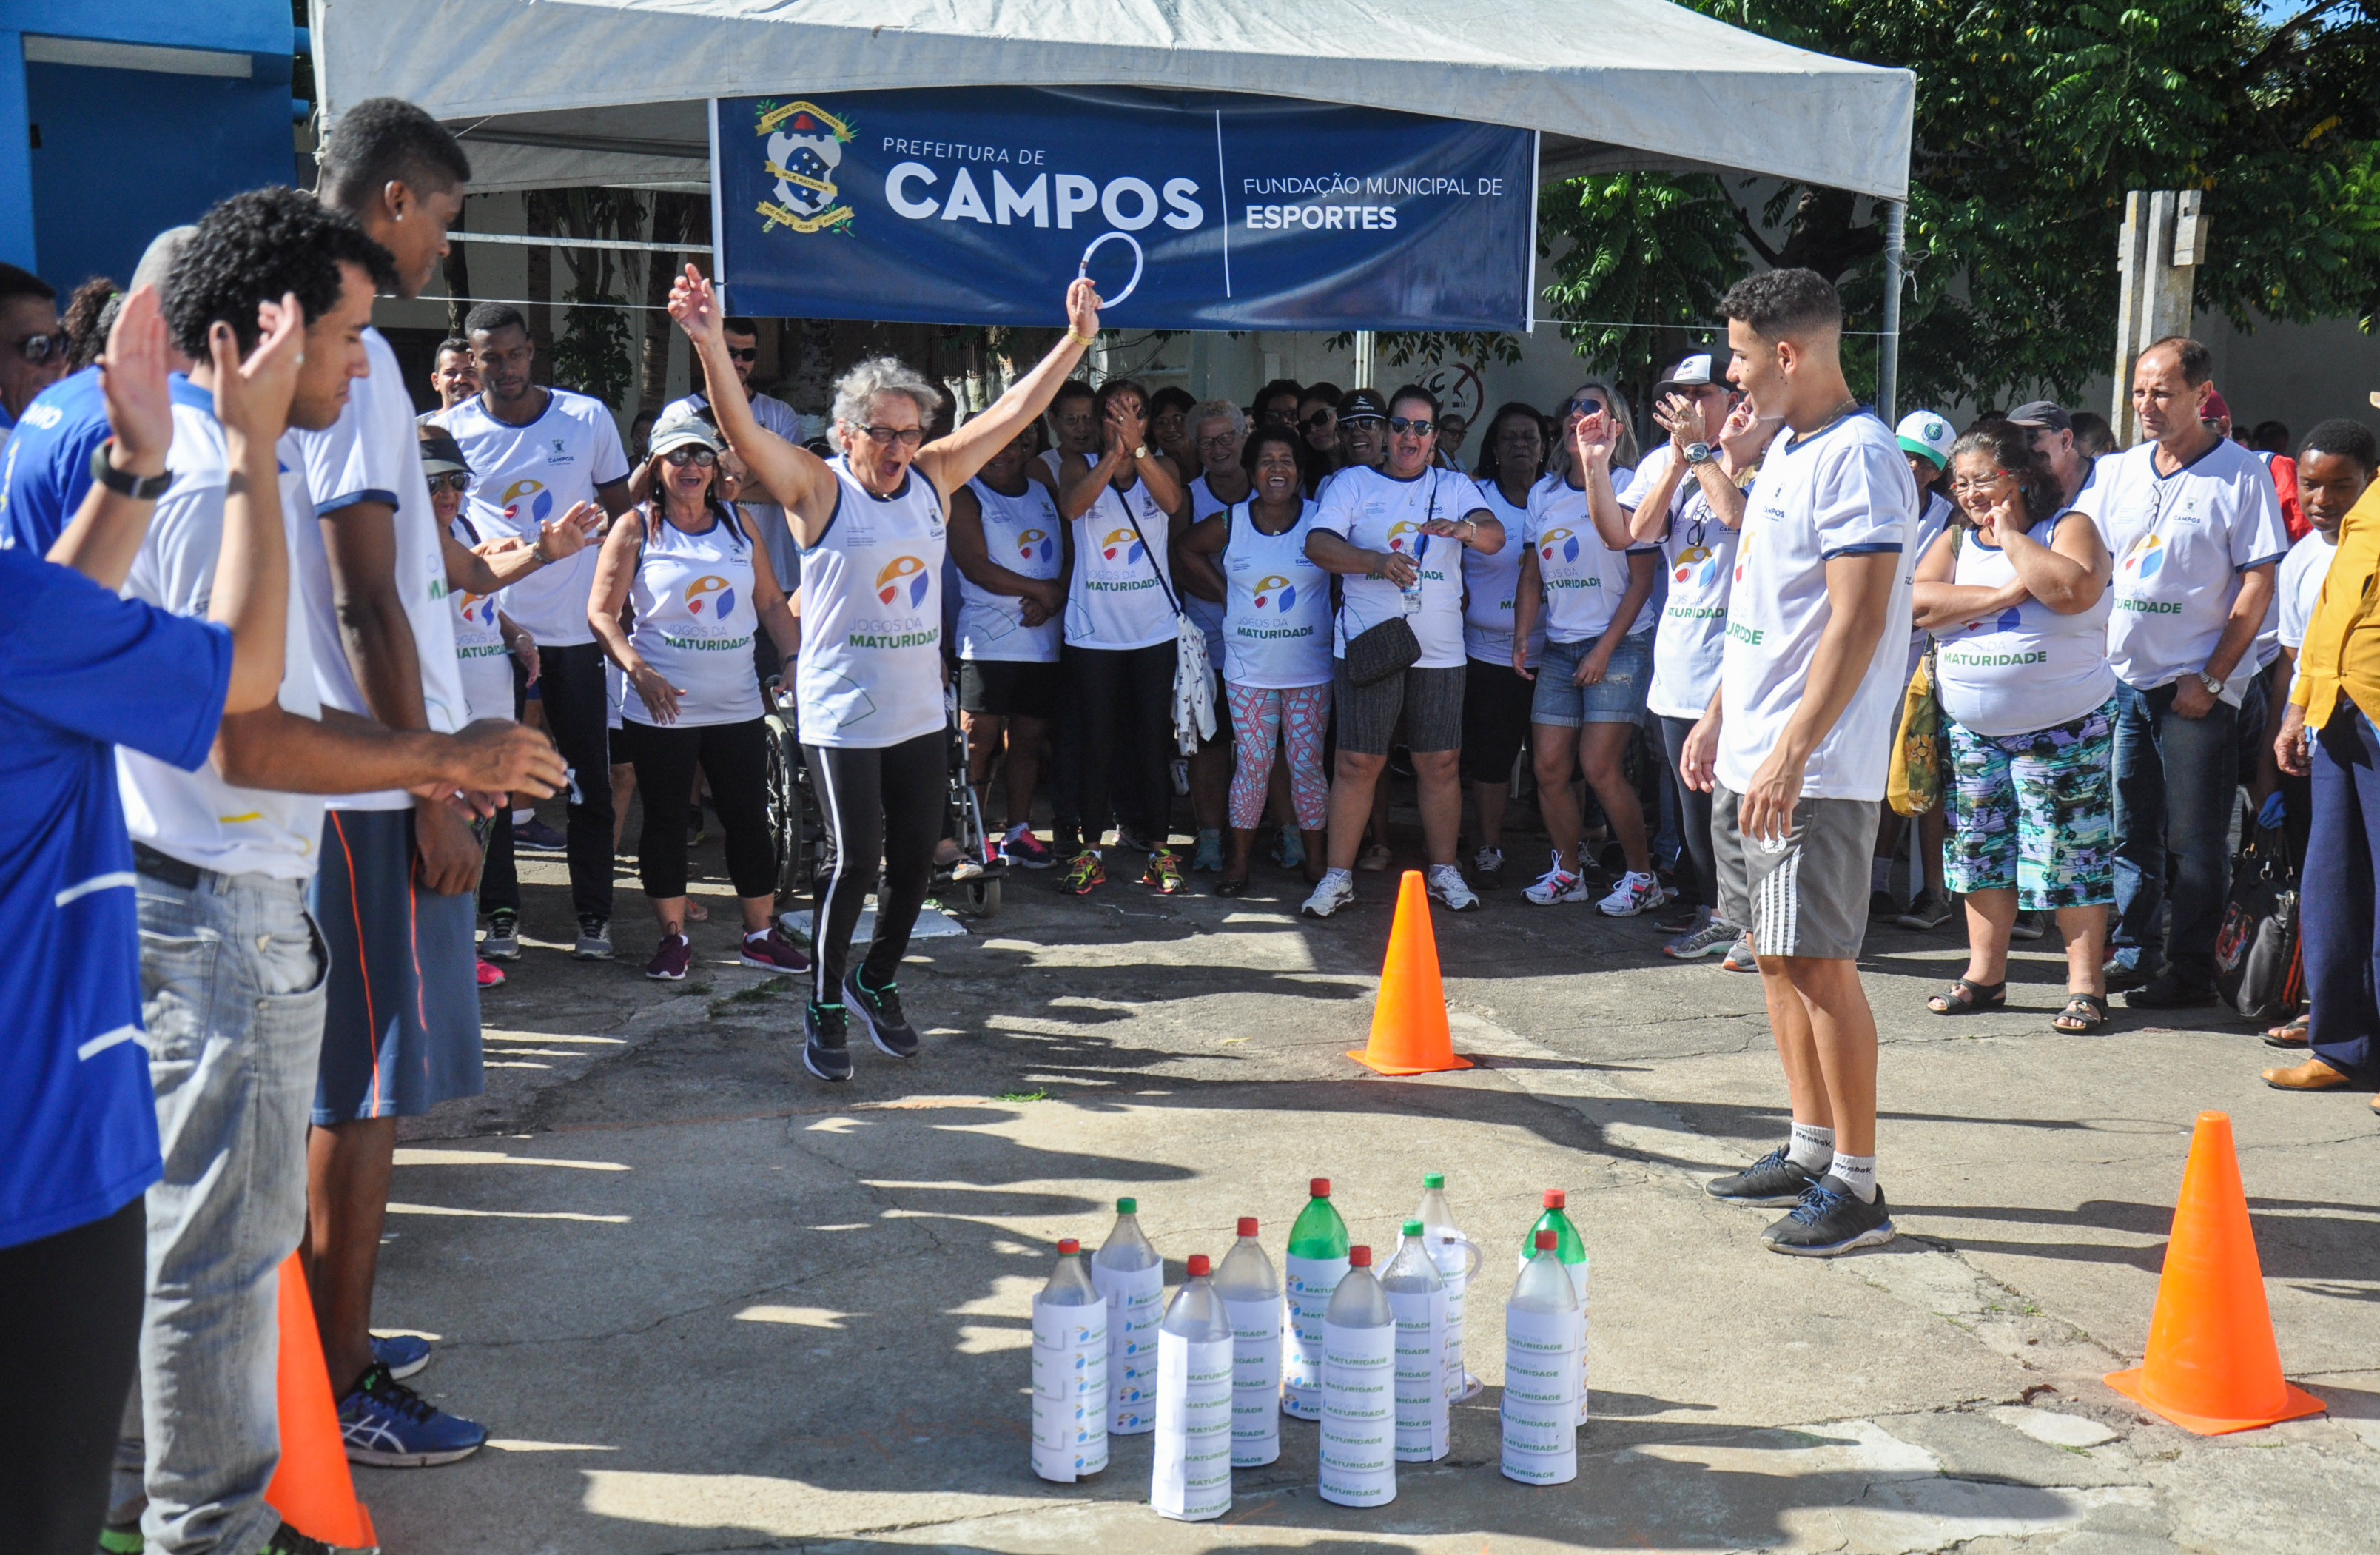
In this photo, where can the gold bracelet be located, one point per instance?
(1085, 341)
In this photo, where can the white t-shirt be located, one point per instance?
(1842, 491)
(523, 475)
(196, 816)
(1491, 586)
(1205, 613)
(2180, 542)
(1374, 511)
(2026, 667)
(2303, 571)
(762, 516)
(372, 453)
(1276, 634)
(1022, 535)
(1698, 552)
(1584, 579)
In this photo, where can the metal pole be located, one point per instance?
(1365, 345)
(1888, 365)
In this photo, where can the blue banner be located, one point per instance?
(1193, 210)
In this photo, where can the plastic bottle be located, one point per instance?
(1458, 1259)
(1190, 1478)
(1070, 1371)
(1541, 1331)
(1132, 1276)
(1318, 1260)
(1417, 1297)
(1359, 1425)
(1572, 1250)
(1251, 1297)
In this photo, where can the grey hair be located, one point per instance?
(1222, 410)
(883, 375)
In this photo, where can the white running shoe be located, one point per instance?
(1634, 893)
(1558, 884)
(1336, 890)
(1447, 885)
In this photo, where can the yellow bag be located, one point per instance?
(1919, 751)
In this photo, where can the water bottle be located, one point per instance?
(1572, 1250)
(1359, 1425)
(1318, 1260)
(1458, 1259)
(1417, 1297)
(1070, 1372)
(1251, 1297)
(1190, 1478)
(1541, 1332)
(1130, 1275)
(1410, 594)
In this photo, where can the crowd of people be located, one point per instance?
(297, 662)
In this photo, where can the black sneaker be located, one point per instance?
(1881, 907)
(287, 1540)
(1830, 1222)
(1771, 1181)
(2029, 926)
(879, 1011)
(502, 942)
(2121, 976)
(823, 1051)
(2166, 991)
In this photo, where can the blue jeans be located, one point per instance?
(2175, 781)
(232, 973)
(2342, 951)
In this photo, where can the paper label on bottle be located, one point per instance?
(1064, 1327)
(1420, 1370)
(1358, 1437)
(1541, 1356)
(1070, 1397)
(1136, 1305)
(1190, 1478)
(1310, 1285)
(1255, 1380)
(1454, 1260)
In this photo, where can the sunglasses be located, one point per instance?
(744, 353)
(910, 437)
(1587, 405)
(691, 454)
(457, 481)
(1318, 421)
(1401, 425)
(38, 349)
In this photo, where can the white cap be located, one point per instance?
(1690, 373)
(1923, 433)
(680, 425)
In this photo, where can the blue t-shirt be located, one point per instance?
(46, 469)
(82, 671)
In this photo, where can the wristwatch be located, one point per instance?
(2213, 686)
(1698, 453)
(1140, 452)
(123, 483)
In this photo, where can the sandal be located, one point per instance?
(1967, 997)
(2082, 1012)
(2290, 1035)
(1227, 886)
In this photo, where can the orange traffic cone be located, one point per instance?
(312, 1489)
(2212, 1366)
(1409, 1034)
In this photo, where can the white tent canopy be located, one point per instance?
(557, 93)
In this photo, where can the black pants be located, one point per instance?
(1124, 700)
(735, 757)
(883, 803)
(1697, 866)
(69, 1341)
(500, 873)
(571, 681)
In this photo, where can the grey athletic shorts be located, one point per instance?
(1810, 899)
(1431, 701)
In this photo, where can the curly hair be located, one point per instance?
(883, 375)
(86, 321)
(254, 248)
(1289, 438)
(383, 141)
(1221, 410)
(1778, 303)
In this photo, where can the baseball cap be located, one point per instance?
(1362, 405)
(1691, 372)
(2218, 407)
(2041, 413)
(680, 425)
(1926, 434)
(440, 455)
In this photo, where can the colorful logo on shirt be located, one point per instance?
(540, 500)
(1125, 542)
(2145, 557)
(1283, 592)
(888, 582)
(1400, 532)
(1743, 553)
(1036, 545)
(1562, 540)
(479, 610)
(1698, 565)
(713, 591)
(2008, 620)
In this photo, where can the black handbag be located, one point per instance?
(1377, 653)
(2259, 968)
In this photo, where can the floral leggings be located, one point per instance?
(2034, 811)
(1262, 718)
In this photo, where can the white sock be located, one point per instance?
(1879, 874)
(1344, 877)
(1811, 1147)
(522, 817)
(1857, 1174)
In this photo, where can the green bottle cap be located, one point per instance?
(1413, 1228)
(1433, 1179)
(1127, 1206)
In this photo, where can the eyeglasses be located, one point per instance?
(457, 481)
(1318, 421)
(744, 353)
(1964, 485)
(38, 349)
(1400, 425)
(1587, 404)
(1221, 440)
(910, 437)
(686, 454)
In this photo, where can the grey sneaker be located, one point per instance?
(503, 941)
(1712, 937)
(1930, 910)
(594, 938)
(1830, 1222)
(1771, 1181)
(1487, 868)
(1741, 957)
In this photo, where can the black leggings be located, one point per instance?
(881, 802)
(500, 874)
(69, 1341)
(570, 680)
(734, 757)
(1125, 698)
(1697, 866)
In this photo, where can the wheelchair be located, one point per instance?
(978, 896)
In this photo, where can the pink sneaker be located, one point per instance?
(490, 976)
(775, 951)
(670, 959)
(1021, 846)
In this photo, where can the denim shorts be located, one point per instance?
(1618, 697)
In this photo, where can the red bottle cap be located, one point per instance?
(1320, 1188)
(1545, 1240)
(1068, 1247)
(1248, 1225)
(1199, 1266)
(1556, 1198)
(1359, 1257)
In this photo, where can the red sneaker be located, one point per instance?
(671, 960)
(775, 951)
(490, 976)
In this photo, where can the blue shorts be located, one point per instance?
(1618, 697)
(401, 1033)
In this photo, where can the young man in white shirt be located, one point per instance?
(2195, 528)
(1795, 743)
